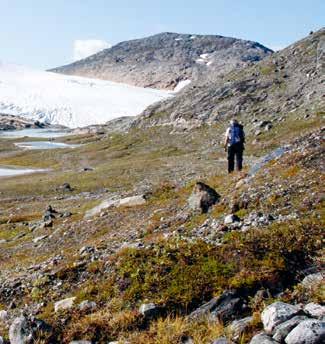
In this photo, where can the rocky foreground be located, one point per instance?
(139, 236)
(236, 262)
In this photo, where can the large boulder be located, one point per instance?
(202, 197)
(262, 338)
(307, 332)
(224, 308)
(23, 329)
(20, 331)
(283, 329)
(277, 313)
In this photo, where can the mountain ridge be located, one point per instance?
(165, 59)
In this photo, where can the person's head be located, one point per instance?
(233, 121)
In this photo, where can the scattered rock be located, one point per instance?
(65, 187)
(310, 280)
(149, 310)
(132, 201)
(231, 218)
(262, 338)
(80, 342)
(224, 308)
(307, 332)
(238, 327)
(315, 310)
(282, 330)
(3, 316)
(40, 238)
(64, 304)
(87, 305)
(86, 250)
(221, 340)
(202, 197)
(277, 313)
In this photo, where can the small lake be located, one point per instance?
(10, 172)
(44, 145)
(41, 133)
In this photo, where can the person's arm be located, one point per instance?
(226, 139)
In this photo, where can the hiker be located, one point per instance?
(234, 145)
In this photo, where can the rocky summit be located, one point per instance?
(135, 232)
(164, 60)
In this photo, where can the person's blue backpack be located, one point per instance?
(237, 134)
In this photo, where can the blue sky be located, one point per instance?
(45, 33)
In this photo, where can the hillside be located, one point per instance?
(67, 100)
(140, 236)
(162, 61)
(289, 80)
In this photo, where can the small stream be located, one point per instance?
(277, 153)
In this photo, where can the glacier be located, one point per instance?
(69, 100)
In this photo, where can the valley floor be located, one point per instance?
(159, 251)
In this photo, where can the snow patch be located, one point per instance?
(181, 85)
(68, 100)
(204, 56)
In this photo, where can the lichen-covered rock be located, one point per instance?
(221, 340)
(87, 305)
(315, 310)
(310, 280)
(238, 327)
(307, 332)
(277, 313)
(262, 338)
(282, 330)
(202, 197)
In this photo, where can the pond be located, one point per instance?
(10, 172)
(44, 145)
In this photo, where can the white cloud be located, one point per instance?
(85, 48)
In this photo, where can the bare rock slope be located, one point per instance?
(289, 80)
(163, 60)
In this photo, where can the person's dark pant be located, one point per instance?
(235, 151)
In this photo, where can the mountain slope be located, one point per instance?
(289, 80)
(69, 101)
(163, 60)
